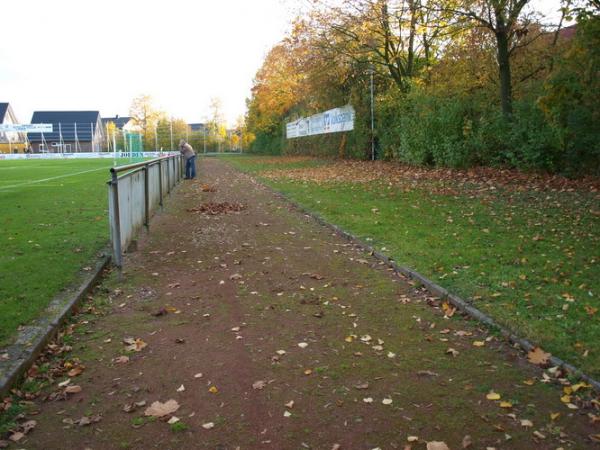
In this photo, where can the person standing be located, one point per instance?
(190, 159)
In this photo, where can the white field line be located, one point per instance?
(50, 179)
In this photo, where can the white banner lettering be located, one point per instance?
(333, 121)
(27, 128)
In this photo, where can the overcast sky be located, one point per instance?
(75, 54)
(81, 55)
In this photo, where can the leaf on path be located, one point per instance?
(478, 343)
(412, 438)
(208, 425)
(526, 423)
(391, 355)
(290, 404)
(437, 445)
(427, 373)
(368, 399)
(17, 436)
(287, 414)
(173, 420)
(235, 329)
(73, 389)
(198, 375)
(213, 390)
(452, 352)
(235, 277)
(280, 352)
(181, 388)
(554, 416)
(302, 344)
(467, 441)
(158, 409)
(76, 371)
(387, 401)
(538, 356)
(493, 396)
(64, 383)
(134, 345)
(258, 385)
(362, 386)
(506, 405)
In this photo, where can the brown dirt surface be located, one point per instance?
(282, 336)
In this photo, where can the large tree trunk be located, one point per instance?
(504, 74)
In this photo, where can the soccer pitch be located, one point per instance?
(53, 221)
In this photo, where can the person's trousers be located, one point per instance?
(190, 167)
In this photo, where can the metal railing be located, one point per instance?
(134, 196)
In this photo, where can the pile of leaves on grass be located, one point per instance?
(402, 174)
(215, 208)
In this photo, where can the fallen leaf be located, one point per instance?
(538, 356)
(213, 390)
(121, 359)
(287, 414)
(259, 384)
(208, 425)
(181, 388)
(198, 375)
(290, 404)
(75, 371)
(362, 386)
(467, 441)
(437, 445)
(452, 352)
(478, 343)
(506, 405)
(72, 389)
(368, 400)
(493, 396)
(158, 409)
(526, 423)
(554, 416)
(412, 438)
(387, 401)
(173, 420)
(16, 436)
(134, 345)
(302, 345)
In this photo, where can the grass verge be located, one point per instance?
(526, 256)
(53, 221)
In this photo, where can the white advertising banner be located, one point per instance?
(27, 128)
(84, 155)
(333, 121)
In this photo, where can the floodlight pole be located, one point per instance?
(371, 72)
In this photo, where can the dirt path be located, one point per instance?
(240, 292)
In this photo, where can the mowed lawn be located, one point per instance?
(525, 253)
(53, 221)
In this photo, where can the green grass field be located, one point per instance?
(53, 221)
(530, 258)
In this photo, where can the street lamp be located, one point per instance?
(371, 72)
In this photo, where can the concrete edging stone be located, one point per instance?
(32, 339)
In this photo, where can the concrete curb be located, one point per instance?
(33, 338)
(441, 292)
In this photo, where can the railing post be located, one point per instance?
(168, 176)
(116, 222)
(146, 198)
(160, 184)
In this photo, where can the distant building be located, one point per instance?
(73, 132)
(124, 123)
(197, 127)
(11, 141)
